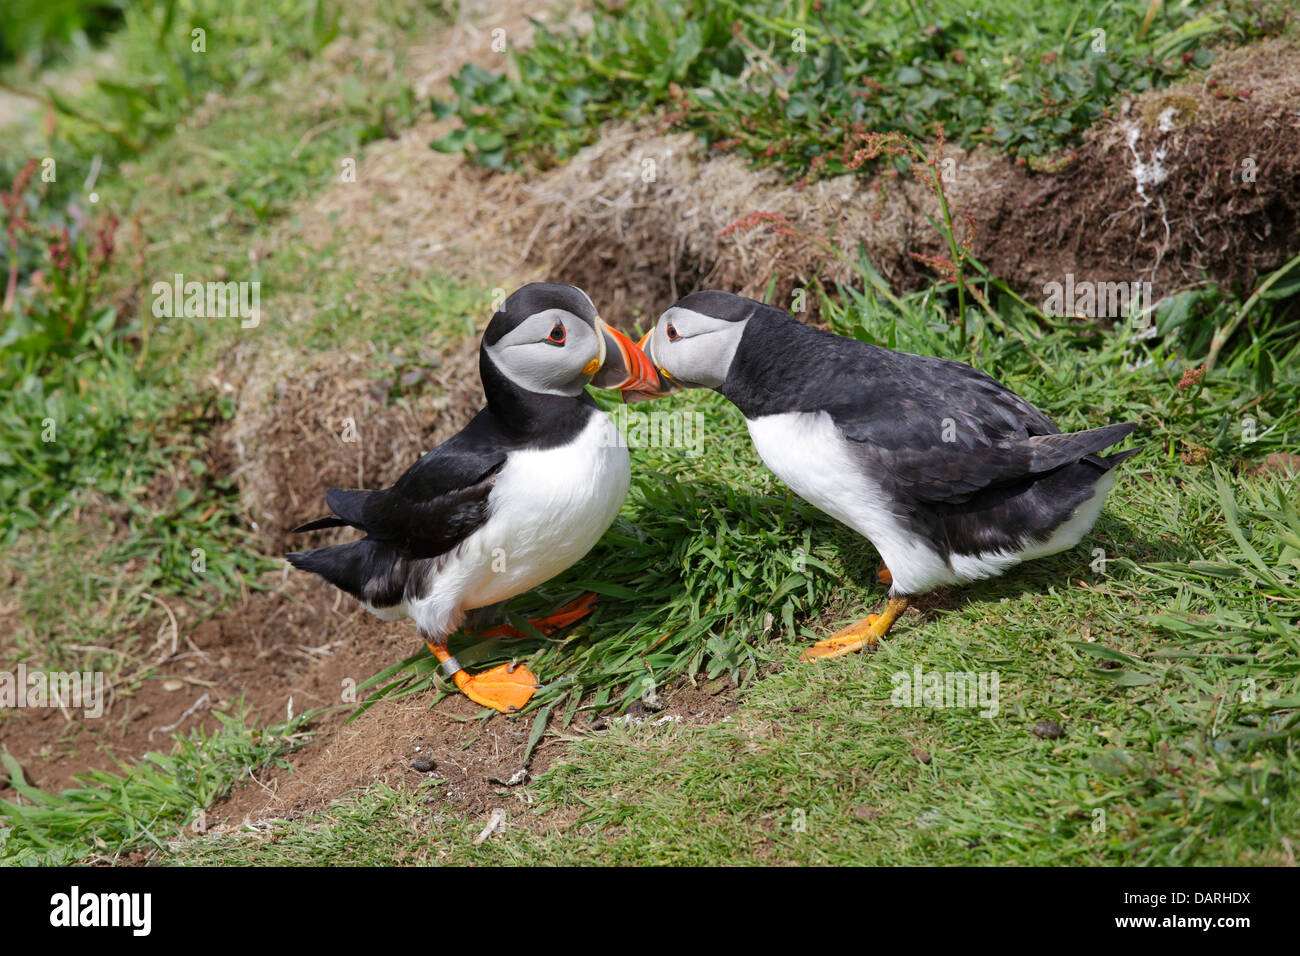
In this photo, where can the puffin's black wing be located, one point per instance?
(948, 473)
(942, 430)
(436, 504)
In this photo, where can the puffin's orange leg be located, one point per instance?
(862, 634)
(575, 610)
(884, 577)
(506, 687)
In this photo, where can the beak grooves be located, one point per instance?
(625, 365)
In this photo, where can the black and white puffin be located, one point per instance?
(519, 495)
(948, 473)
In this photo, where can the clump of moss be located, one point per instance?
(1170, 111)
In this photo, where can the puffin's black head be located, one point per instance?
(548, 338)
(694, 342)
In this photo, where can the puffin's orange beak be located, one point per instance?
(662, 384)
(625, 366)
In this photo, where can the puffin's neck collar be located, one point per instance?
(771, 367)
(520, 410)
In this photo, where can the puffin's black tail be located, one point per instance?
(365, 569)
(1094, 440)
(348, 508)
(329, 521)
(1110, 461)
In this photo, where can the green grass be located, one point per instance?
(43, 32)
(112, 815)
(797, 83)
(101, 523)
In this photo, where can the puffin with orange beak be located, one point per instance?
(519, 495)
(951, 476)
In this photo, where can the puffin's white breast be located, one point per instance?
(547, 509)
(809, 453)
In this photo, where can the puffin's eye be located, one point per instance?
(558, 334)
(672, 333)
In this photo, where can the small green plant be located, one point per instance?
(38, 33)
(570, 83)
(55, 316)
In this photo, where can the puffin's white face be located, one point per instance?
(553, 351)
(691, 349)
(547, 338)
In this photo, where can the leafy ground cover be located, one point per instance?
(797, 82)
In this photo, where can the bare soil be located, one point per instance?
(1223, 201)
(280, 650)
(298, 648)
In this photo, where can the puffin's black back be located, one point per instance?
(783, 365)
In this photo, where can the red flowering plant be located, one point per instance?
(52, 280)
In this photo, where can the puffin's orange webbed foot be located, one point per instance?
(574, 611)
(883, 576)
(505, 688)
(865, 633)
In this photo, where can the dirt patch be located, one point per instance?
(301, 647)
(1201, 180)
(1281, 463)
(282, 650)
(404, 742)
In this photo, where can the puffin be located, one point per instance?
(521, 493)
(949, 474)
